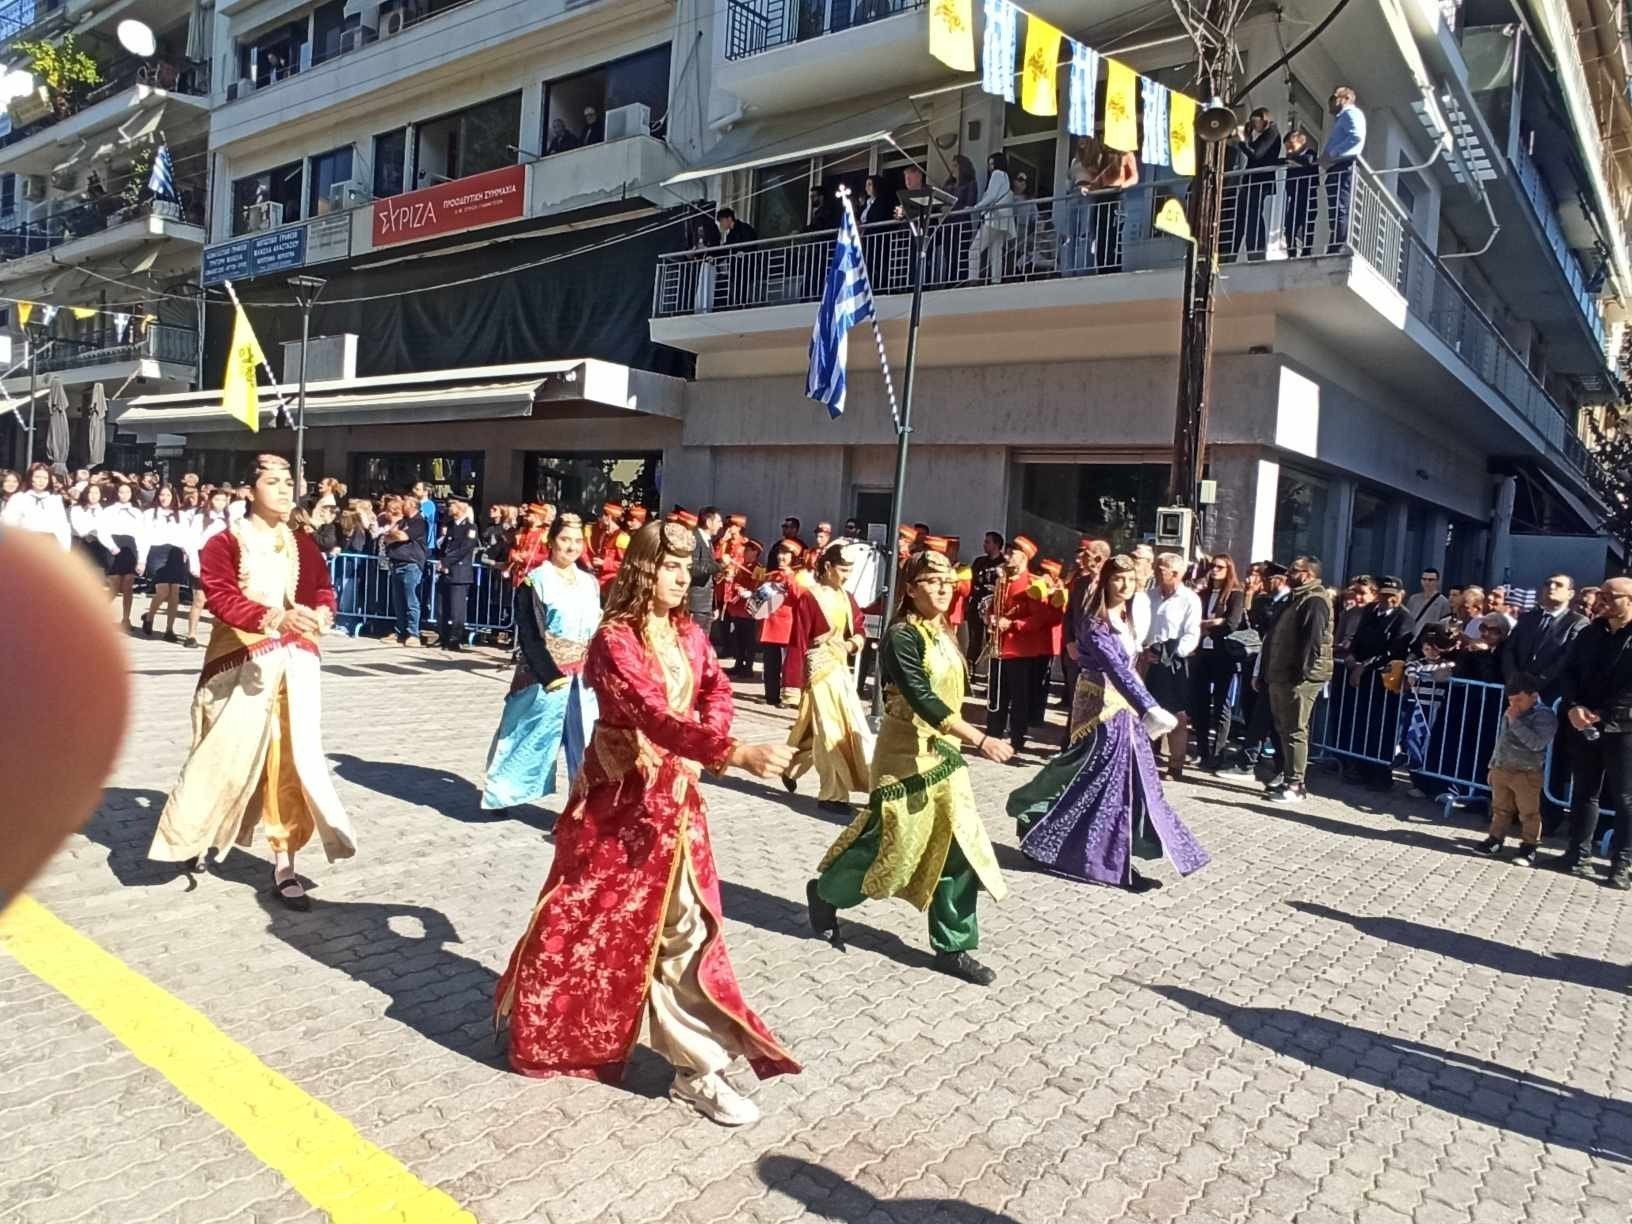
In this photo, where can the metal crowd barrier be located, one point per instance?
(365, 596)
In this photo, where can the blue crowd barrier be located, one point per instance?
(366, 597)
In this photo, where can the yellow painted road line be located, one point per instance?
(325, 1159)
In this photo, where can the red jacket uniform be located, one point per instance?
(1030, 634)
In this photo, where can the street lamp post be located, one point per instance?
(32, 336)
(307, 289)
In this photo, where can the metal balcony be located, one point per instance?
(760, 25)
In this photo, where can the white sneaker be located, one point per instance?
(713, 1097)
(1289, 796)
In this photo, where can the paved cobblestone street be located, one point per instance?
(1347, 1016)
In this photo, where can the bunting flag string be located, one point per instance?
(952, 34)
(1040, 93)
(1181, 133)
(48, 313)
(1084, 84)
(1121, 107)
(1155, 141)
(998, 51)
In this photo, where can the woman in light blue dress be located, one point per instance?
(558, 609)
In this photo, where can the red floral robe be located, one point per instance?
(577, 983)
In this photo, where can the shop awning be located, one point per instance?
(792, 138)
(19, 403)
(559, 389)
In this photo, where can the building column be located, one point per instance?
(1399, 526)
(1342, 525)
(1499, 561)
(1433, 552)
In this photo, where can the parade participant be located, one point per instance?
(458, 546)
(169, 537)
(84, 519)
(531, 542)
(1049, 587)
(741, 632)
(257, 757)
(822, 538)
(556, 613)
(603, 529)
(1021, 630)
(627, 932)
(39, 508)
(1099, 803)
(776, 626)
(124, 530)
(920, 837)
(830, 731)
(612, 542)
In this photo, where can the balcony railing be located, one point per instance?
(180, 78)
(19, 16)
(1267, 215)
(758, 25)
(1546, 210)
(92, 217)
(160, 342)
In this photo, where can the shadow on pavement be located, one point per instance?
(442, 790)
(782, 916)
(771, 790)
(1474, 1088)
(1403, 836)
(123, 825)
(828, 1196)
(443, 996)
(1474, 950)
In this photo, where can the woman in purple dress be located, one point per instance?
(1099, 803)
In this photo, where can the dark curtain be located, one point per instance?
(594, 304)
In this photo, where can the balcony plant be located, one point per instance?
(141, 165)
(62, 68)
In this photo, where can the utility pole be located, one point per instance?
(1211, 24)
(306, 290)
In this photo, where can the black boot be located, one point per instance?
(1620, 873)
(824, 918)
(962, 965)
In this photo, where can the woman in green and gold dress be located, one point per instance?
(920, 837)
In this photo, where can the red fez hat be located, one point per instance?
(636, 514)
(738, 520)
(1025, 545)
(612, 507)
(937, 544)
(755, 545)
(1052, 568)
(684, 517)
(793, 546)
(907, 532)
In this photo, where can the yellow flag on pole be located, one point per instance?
(24, 310)
(239, 394)
(1039, 94)
(1181, 133)
(1121, 107)
(952, 34)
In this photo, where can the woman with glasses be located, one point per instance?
(1223, 612)
(920, 837)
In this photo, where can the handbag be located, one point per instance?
(1242, 644)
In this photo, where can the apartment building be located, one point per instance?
(1404, 393)
(78, 223)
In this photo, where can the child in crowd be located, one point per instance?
(1516, 763)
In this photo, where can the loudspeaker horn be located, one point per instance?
(1216, 121)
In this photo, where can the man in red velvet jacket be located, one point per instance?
(1024, 629)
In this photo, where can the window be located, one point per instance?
(1301, 504)
(326, 170)
(329, 22)
(477, 139)
(1030, 143)
(390, 163)
(1368, 535)
(449, 474)
(583, 481)
(1056, 504)
(280, 185)
(781, 199)
(280, 52)
(575, 107)
(8, 194)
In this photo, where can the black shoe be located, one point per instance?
(962, 965)
(1491, 845)
(1620, 876)
(1525, 856)
(791, 783)
(147, 626)
(170, 636)
(1569, 864)
(455, 646)
(824, 918)
(834, 806)
(299, 902)
(1139, 883)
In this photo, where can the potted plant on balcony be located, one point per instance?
(62, 69)
(141, 165)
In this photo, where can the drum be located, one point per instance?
(765, 600)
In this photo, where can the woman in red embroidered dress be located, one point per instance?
(257, 757)
(626, 936)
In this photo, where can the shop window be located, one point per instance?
(279, 185)
(1368, 535)
(575, 107)
(326, 172)
(781, 199)
(1056, 504)
(472, 141)
(583, 481)
(390, 163)
(447, 473)
(1301, 503)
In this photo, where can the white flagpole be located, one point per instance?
(878, 335)
(283, 404)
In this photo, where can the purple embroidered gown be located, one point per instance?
(1099, 802)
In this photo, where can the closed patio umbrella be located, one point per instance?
(96, 427)
(56, 437)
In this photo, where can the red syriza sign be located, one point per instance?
(480, 199)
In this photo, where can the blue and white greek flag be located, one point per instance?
(846, 301)
(1417, 734)
(1154, 146)
(1083, 86)
(162, 181)
(998, 48)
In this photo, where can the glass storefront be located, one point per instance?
(1301, 505)
(1056, 504)
(1368, 535)
(582, 481)
(447, 473)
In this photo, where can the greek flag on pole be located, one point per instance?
(162, 181)
(1084, 82)
(846, 301)
(1417, 733)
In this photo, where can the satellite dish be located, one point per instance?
(137, 38)
(1216, 121)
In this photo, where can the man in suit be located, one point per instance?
(459, 543)
(1540, 641)
(740, 274)
(705, 566)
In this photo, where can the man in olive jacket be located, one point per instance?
(1296, 666)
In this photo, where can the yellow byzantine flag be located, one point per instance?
(1181, 133)
(239, 394)
(1039, 94)
(952, 34)
(1121, 107)
(25, 311)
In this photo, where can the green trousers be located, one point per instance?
(953, 926)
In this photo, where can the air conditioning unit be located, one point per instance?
(30, 107)
(33, 187)
(65, 180)
(355, 39)
(264, 215)
(348, 195)
(632, 120)
(391, 23)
